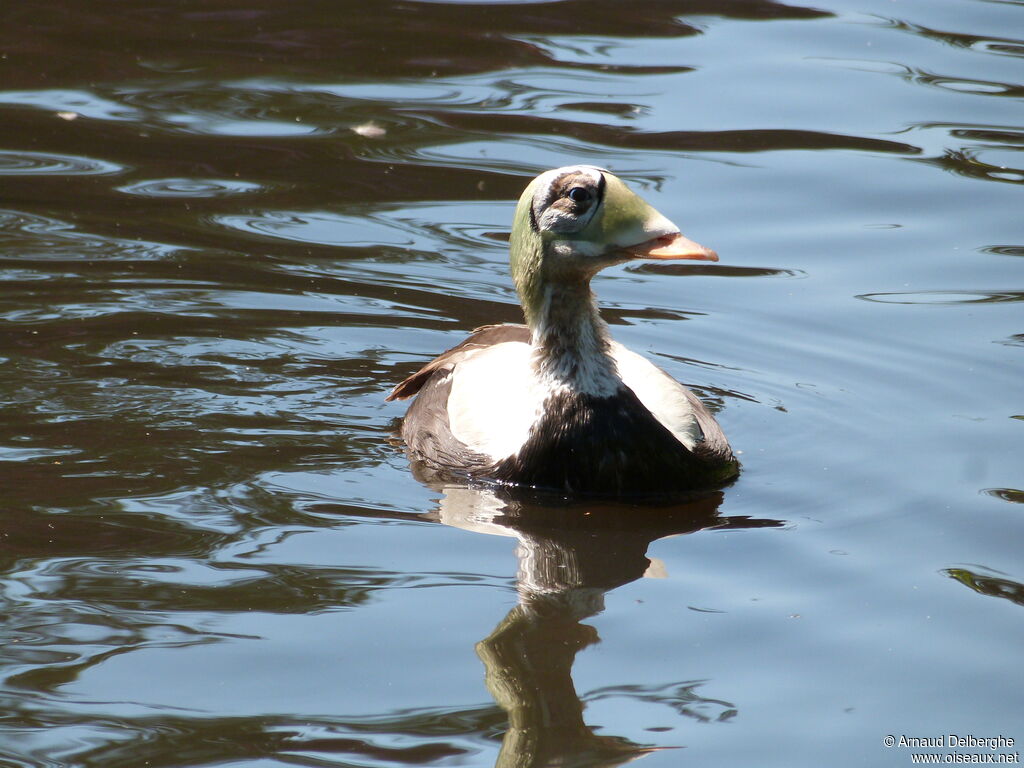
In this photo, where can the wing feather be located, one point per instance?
(481, 338)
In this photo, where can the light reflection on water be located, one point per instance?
(226, 237)
(41, 164)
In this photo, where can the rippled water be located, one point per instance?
(228, 229)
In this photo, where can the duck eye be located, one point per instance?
(578, 194)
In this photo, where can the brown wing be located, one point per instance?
(715, 446)
(484, 336)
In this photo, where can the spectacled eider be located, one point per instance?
(556, 403)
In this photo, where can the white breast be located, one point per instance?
(662, 395)
(495, 399)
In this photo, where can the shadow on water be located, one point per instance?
(570, 555)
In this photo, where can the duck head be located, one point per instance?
(572, 222)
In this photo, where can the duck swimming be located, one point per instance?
(557, 404)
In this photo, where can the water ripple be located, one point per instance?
(320, 228)
(1012, 495)
(968, 85)
(42, 238)
(423, 228)
(1005, 250)
(72, 101)
(720, 270)
(945, 297)
(189, 188)
(970, 163)
(752, 140)
(984, 581)
(21, 163)
(1002, 46)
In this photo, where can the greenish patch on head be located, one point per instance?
(570, 223)
(526, 253)
(624, 217)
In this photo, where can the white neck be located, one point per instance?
(571, 342)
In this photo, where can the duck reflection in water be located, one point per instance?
(570, 555)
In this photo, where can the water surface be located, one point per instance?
(229, 229)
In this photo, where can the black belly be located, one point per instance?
(608, 445)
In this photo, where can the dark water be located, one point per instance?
(229, 228)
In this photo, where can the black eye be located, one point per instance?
(578, 194)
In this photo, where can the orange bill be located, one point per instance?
(672, 247)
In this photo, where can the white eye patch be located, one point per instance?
(567, 198)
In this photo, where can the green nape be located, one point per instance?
(526, 254)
